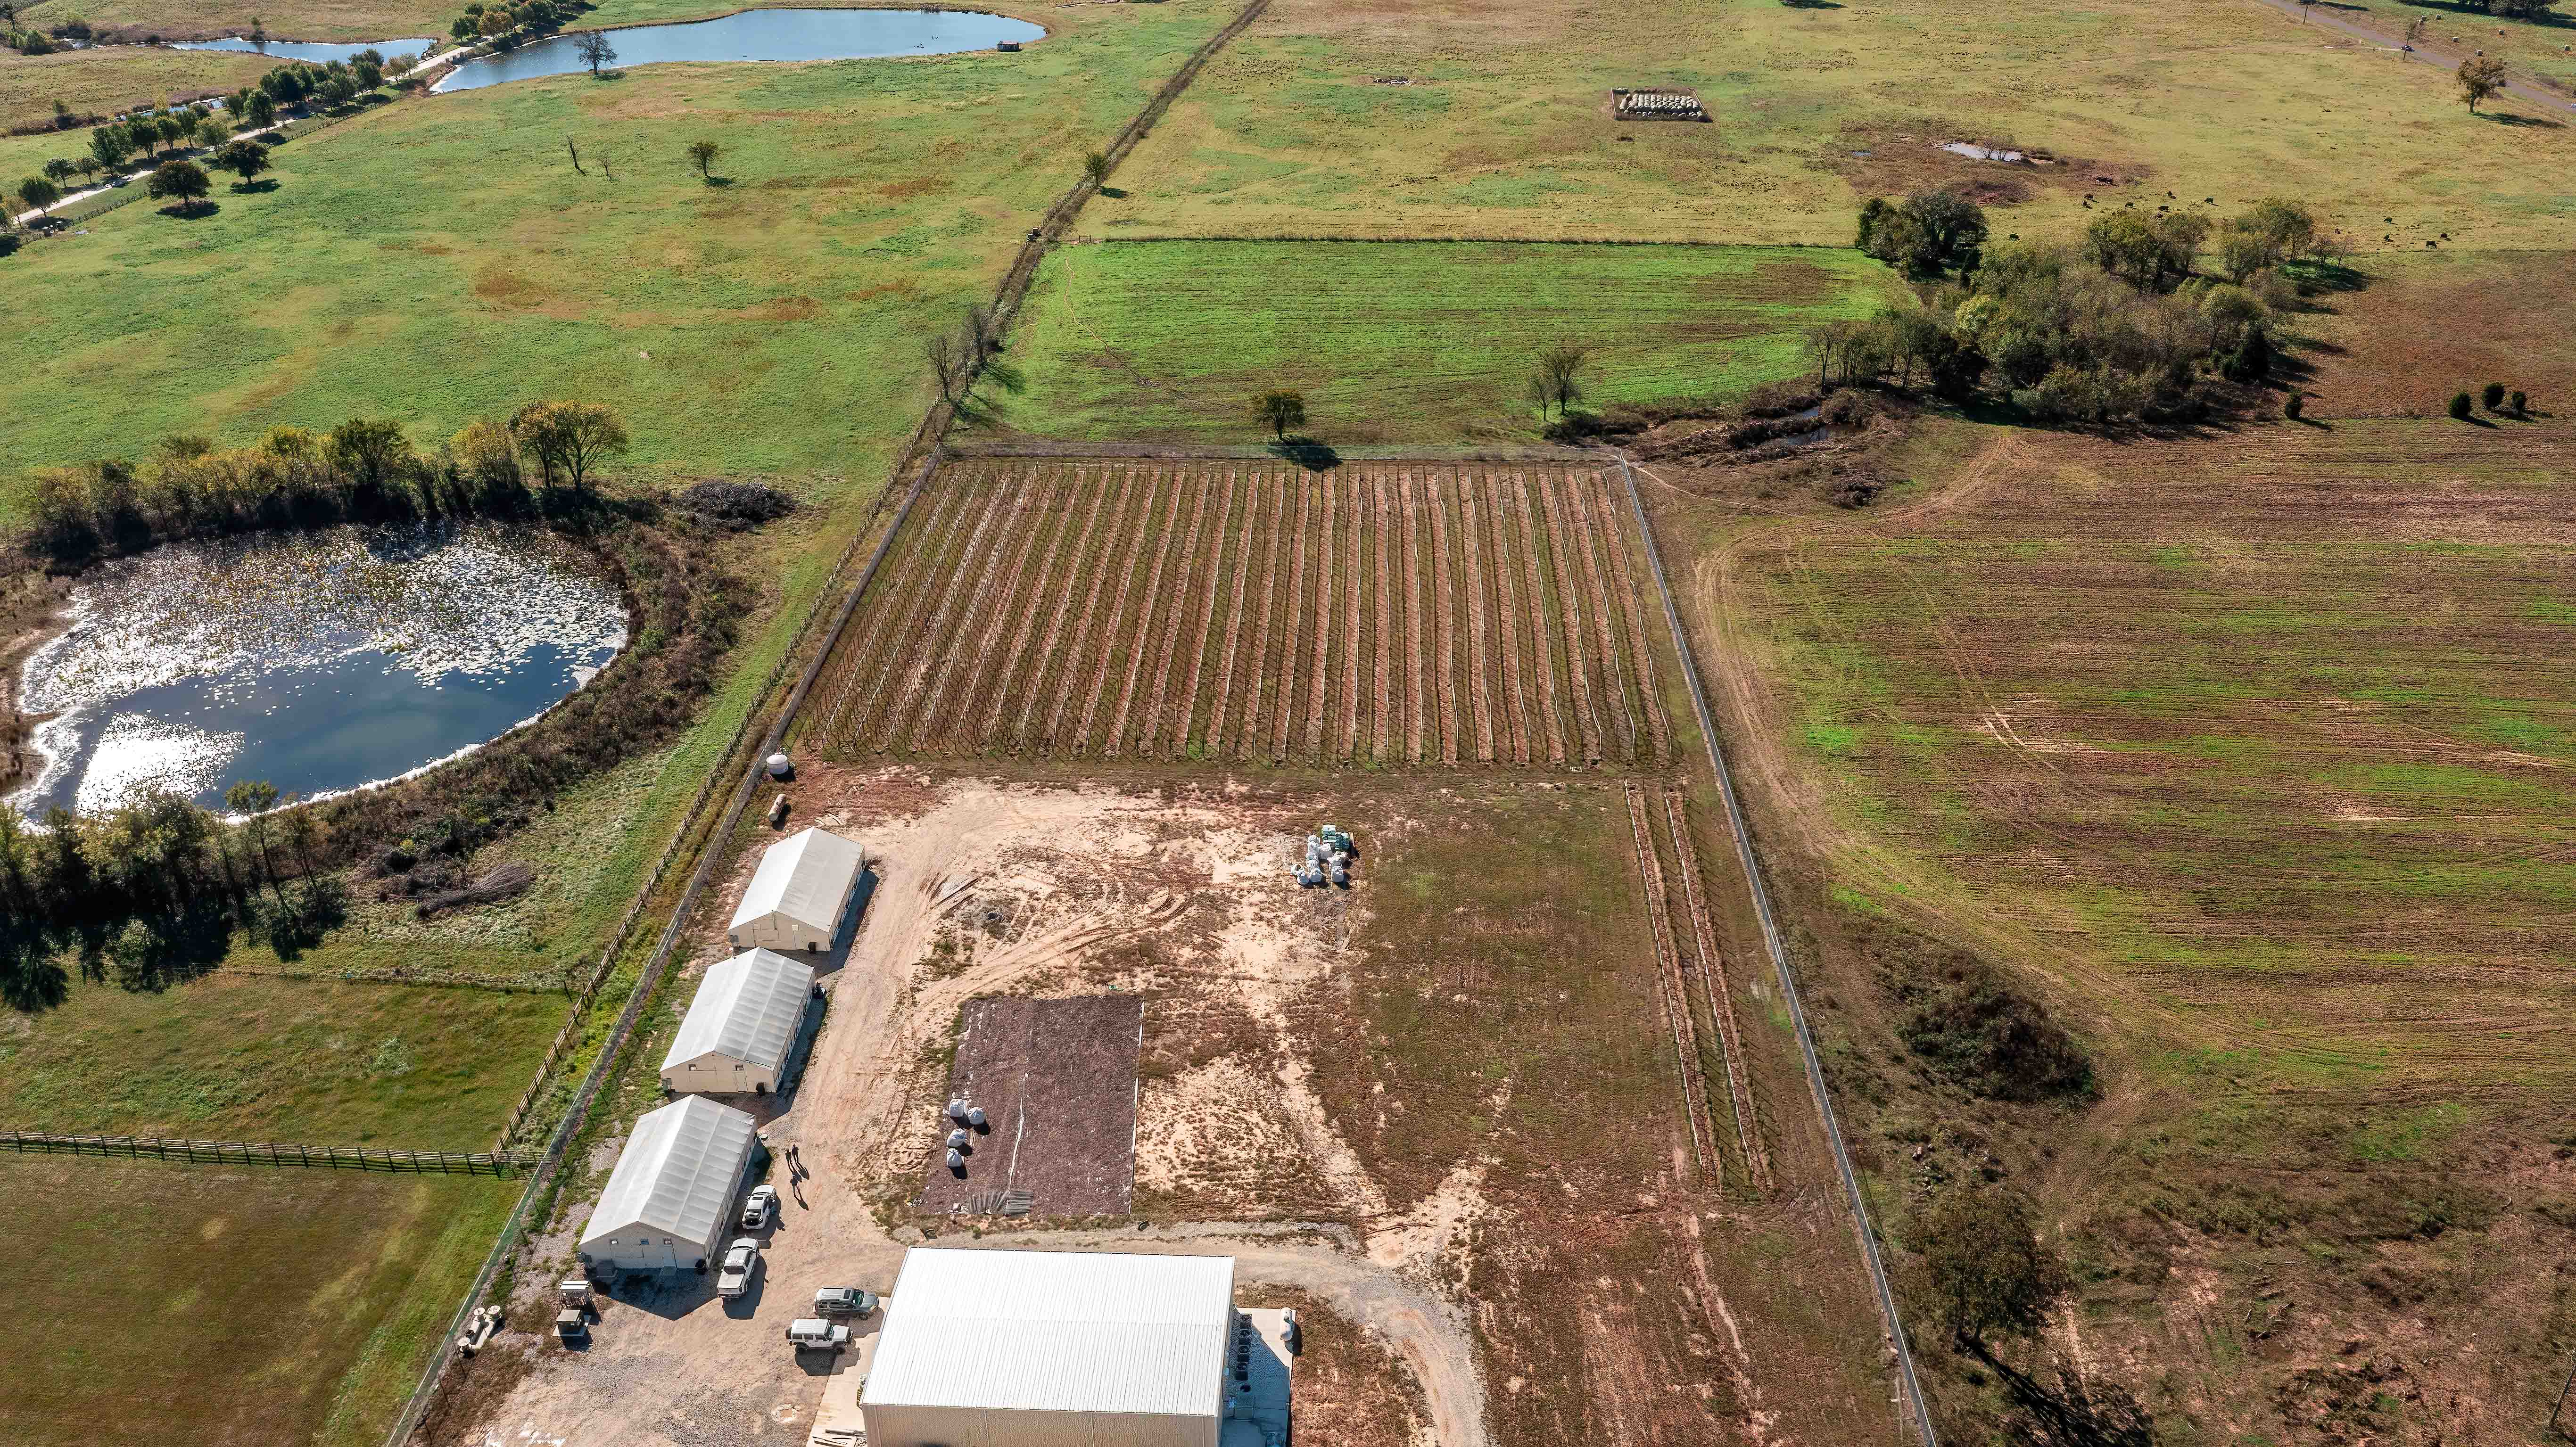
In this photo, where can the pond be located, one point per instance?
(315, 51)
(761, 35)
(317, 661)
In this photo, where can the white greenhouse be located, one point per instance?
(1051, 1349)
(671, 1197)
(799, 895)
(740, 1027)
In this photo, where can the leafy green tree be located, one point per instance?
(571, 436)
(1988, 1271)
(2492, 396)
(181, 181)
(369, 449)
(2462, 406)
(1095, 167)
(369, 73)
(1932, 232)
(59, 170)
(260, 110)
(1557, 380)
(462, 28)
(111, 146)
(704, 154)
(39, 193)
(2481, 76)
(243, 158)
(252, 799)
(1280, 410)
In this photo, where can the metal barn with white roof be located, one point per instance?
(799, 895)
(672, 1195)
(1051, 1349)
(735, 1038)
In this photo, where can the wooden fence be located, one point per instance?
(269, 1153)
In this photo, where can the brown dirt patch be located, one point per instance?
(1057, 1081)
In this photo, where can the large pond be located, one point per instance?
(761, 35)
(316, 51)
(317, 661)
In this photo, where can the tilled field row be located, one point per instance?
(1382, 613)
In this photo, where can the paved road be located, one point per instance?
(2431, 53)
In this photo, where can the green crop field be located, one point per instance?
(230, 1306)
(1405, 342)
(440, 259)
(1503, 127)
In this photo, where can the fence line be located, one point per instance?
(267, 1153)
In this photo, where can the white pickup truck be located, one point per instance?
(741, 1259)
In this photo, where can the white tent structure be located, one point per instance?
(671, 1197)
(735, 1038)
(1051, 1349)
(799, 895)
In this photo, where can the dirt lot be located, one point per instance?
(1426, 1103)
(1057, 1082)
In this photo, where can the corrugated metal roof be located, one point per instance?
(677, 1174)
(804, 876)
(748, 1007)
(1055, 1331)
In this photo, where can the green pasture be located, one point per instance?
(1405, 342)
(110, 79)
(239, 1306)
(440, 259)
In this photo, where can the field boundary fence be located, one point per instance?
(1909, 1394)
(268, 1153)
(932, 430)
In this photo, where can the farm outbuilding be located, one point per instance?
(1052, 1349)
(799, 895)
(739, 1029)
(671, 1197)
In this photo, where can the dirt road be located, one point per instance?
(2425, 52)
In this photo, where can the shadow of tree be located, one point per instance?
(1307, 452)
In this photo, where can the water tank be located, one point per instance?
(780, 767)
(956, 1162)
(957, 1140)
(975, 1116)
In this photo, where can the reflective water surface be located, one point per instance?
(760, 35)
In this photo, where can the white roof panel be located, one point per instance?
(805, 877)
(678, 1172)
(747, 1007)
(1055, 1331)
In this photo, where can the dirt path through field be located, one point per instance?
(1586, 535)
(1327, 556)
(1049, 661)
(1480, 672)
(1120, 633)
(1543, 657)
(1349, 624)
(958, 584)
(1712, 973)
(1025, 523)
(1137, 668)
(1051, 586)
(1507, 615)
(1234, 618)
(1569, 612)
(1292, 643)
(1216, 574)
(1641, 645)
(1383, 653)
(1077, 672)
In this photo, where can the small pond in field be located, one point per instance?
(316, 661)
(318, 52)
(760, 35)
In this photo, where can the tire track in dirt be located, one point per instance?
(867, 662)
(991, 609)
(1569, 608)
(1180, 746)
(1289, 641)
(1586, 535)
(1234, 618)
(1676, 997)
(1050, 587)
(1614, 536)
(1507, 611)
(1444, 617)
(1350, 622)
(959, 583)
(1384, 652)
(1254, 683)
(1115, 632)
(1543, 651)
(1480, 692)
(1326, 557)
(1712, 981)
(1171, 616)
(1414, 751)
(1075, 674)
(1047, 656)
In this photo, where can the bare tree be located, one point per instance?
(1558, 380)
(575, 148)
(984, 329)
(952, 364)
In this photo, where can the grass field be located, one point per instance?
(2249, 751)
(1371, 615)
(228, 1307)
(237, 1057)
(1505, 130)
(440, 260)
(111, 79)
(295, 20)
(1403, 343)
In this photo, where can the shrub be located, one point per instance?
(2521, 404)
(2493, 396)
(2461, 406)
(2292, 406)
